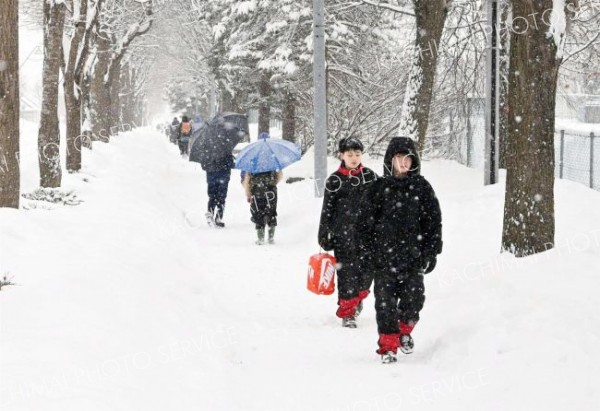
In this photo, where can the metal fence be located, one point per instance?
(577, 154)
(578, 157)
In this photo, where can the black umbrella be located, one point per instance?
(214, 146)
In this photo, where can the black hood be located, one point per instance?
(401, 145)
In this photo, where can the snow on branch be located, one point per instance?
(136, 29)
(559, 21)
(558, 25)
(245, 7)
(388, 6)
(5, 280)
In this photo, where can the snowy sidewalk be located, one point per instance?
(130, 302)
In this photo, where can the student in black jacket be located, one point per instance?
(261, 193)
(337, 229)
(400, 226)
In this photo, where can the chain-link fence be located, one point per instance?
(577, 154)
(577, 157)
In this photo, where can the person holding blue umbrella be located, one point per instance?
(261, 164)
(261, 193)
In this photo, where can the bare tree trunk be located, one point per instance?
(529, 200)
(264, 108)
(504, 47)
(87, 136)
(289, 117)
(229, 102)
(226, 100)
(73, 91)
(10, 179)
(133, 101)
(114, 87)
(100, 95)
(430, 19)
(73, 106)
(112, 77)
(49, 134)
(138, 97)
(139, 110)
(127, 103)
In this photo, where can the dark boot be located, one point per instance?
(219, 217)
(272, 234)
(407, 343)
(349, 322)
(260, 233)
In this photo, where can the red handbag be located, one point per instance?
(321, 274)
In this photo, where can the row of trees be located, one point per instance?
(258, 55)
(87, 48)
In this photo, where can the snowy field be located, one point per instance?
(130, 302)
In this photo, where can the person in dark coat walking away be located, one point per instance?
(183, 138)
(261, 193)
(343, 192)
(174, 130)
(400, 224)
(213, 149)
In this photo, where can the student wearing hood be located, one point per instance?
(400, 226)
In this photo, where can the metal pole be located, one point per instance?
(469, 130)
(492, 116)
(562, 154)
(592, 160)
(320, 96)
(212, 100)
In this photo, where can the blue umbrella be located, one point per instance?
(267, 155)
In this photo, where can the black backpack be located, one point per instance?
(261, 183)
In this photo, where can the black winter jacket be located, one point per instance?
(341, 203)
(400, 221)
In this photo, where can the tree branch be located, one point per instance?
(388, 6)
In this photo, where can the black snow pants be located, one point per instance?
(263, 208)
(399, 297)
(352, 276)
(218, 183)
